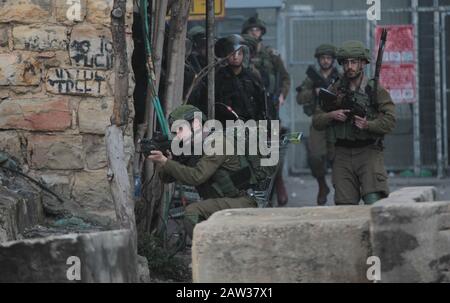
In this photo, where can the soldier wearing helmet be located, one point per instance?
(216, 177)
(319, 152)
(196, 60)
(239, 93)
(276, 81)
(358, 167)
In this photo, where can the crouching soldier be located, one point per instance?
(221, 180)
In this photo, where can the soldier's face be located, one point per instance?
(353, 68)
(256, 32)
(326, 62)
(237, 58)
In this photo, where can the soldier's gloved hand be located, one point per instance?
(361, 123)
(158, 157)
(339, 115)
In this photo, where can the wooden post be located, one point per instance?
(210, 45)
(118, 174)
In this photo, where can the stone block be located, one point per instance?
(92, 191)
(91, 47)
(19, 69)
(4, 35)
(95, 150)
(326, 244)
(50, 114)
(10, 142)
(25, 11)
(102, 257)
(94, 115)
(77, 81)
(412, 241)
(40, 38)
(58, 152)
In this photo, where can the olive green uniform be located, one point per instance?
(358, 167)
(319, 150)
(205, 175)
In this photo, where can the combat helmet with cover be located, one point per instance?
(253, 22)
(325, 49)
(353, 49)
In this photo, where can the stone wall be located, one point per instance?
(57, 92)
(327, 244)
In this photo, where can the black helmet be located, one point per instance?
(227, 45)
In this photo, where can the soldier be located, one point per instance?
(195, 62)
(358, 167)
(238, 91)
(276, 81)
(221, 180)
(307, 95)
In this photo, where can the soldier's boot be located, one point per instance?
(324, 190)
(371, 198)
(282, 195)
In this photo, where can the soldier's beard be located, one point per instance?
(352, 75)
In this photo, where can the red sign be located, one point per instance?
(398, 72)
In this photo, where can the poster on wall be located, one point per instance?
(398, 72)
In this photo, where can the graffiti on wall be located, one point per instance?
(92, 53)
(75, 81)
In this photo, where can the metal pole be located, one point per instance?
(416, 105)
(210, 44)
(437, 89)
(444, 88)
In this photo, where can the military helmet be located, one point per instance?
(184, 112)
(325, 49)
(196, 30)
(353, 49)
(251, 42)
(227, 45)
(254, 22)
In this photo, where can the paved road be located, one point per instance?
(303, 190)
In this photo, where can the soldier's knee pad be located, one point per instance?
(371, 198)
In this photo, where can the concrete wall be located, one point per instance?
(56, 94)
(327, 244)
(103, 257)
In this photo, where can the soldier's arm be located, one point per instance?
(321, 120)
(165, 177)
(305, 92)
(385, 122)
(196, 175)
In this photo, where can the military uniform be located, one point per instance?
(358, 167)
(243, 93)
(276, 81)
(220, 180)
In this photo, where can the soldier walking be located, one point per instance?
(357, 129)
(319, 152)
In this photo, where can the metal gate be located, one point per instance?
(420, 139)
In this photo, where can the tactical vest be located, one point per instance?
(347, 130)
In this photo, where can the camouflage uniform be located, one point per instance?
(320, 151)
(358, 168)
(210, 175)
(276, 81)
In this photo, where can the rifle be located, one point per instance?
(378, 64)
(330, 102)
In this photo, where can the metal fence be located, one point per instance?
(420, 139)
